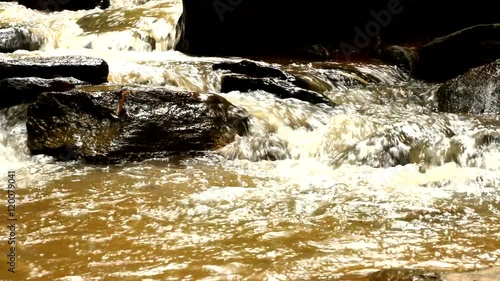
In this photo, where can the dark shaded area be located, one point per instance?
(26, 89)
(154, 122)
(452, 55)
(59, 5)
(91, 70)
(475, 92)
(256, 27)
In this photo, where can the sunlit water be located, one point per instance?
(381, 180)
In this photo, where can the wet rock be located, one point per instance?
(12, 39)
(154, 122)
(475, 92)
(26, 89)
(404, 274)
(404, 57)
(88, 69)
(452, 55)
(280, 88)
(252, 76)
(252, 69)
(59, 5)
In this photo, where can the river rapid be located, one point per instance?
(312, 192)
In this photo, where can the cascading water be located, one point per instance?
(311, 192)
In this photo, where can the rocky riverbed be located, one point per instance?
(138, 161)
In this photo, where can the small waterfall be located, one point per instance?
(145, 26)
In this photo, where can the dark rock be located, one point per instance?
(404, 57)
(250, 76)
(26, 89)
(281, 88)
(91, 70)
(452, 55)
(252, 69)
(12, 39)
(475, 92)
(59, 5)
(404, 274)
(154, 122)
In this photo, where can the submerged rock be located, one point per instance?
(252, 76)
(475, 92)
(88, 69)
(26, 89)
(452, 55)
(154, 122)
(12, 39)
(404, 274)
(59, 5)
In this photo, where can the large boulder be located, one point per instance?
(26, 89)
(88, 69)
(154, 122)
(475, 92)
(243, 27)
(59, 5)
(451, 55)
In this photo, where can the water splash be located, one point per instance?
(13, 150)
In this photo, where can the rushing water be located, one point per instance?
(381, 180)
